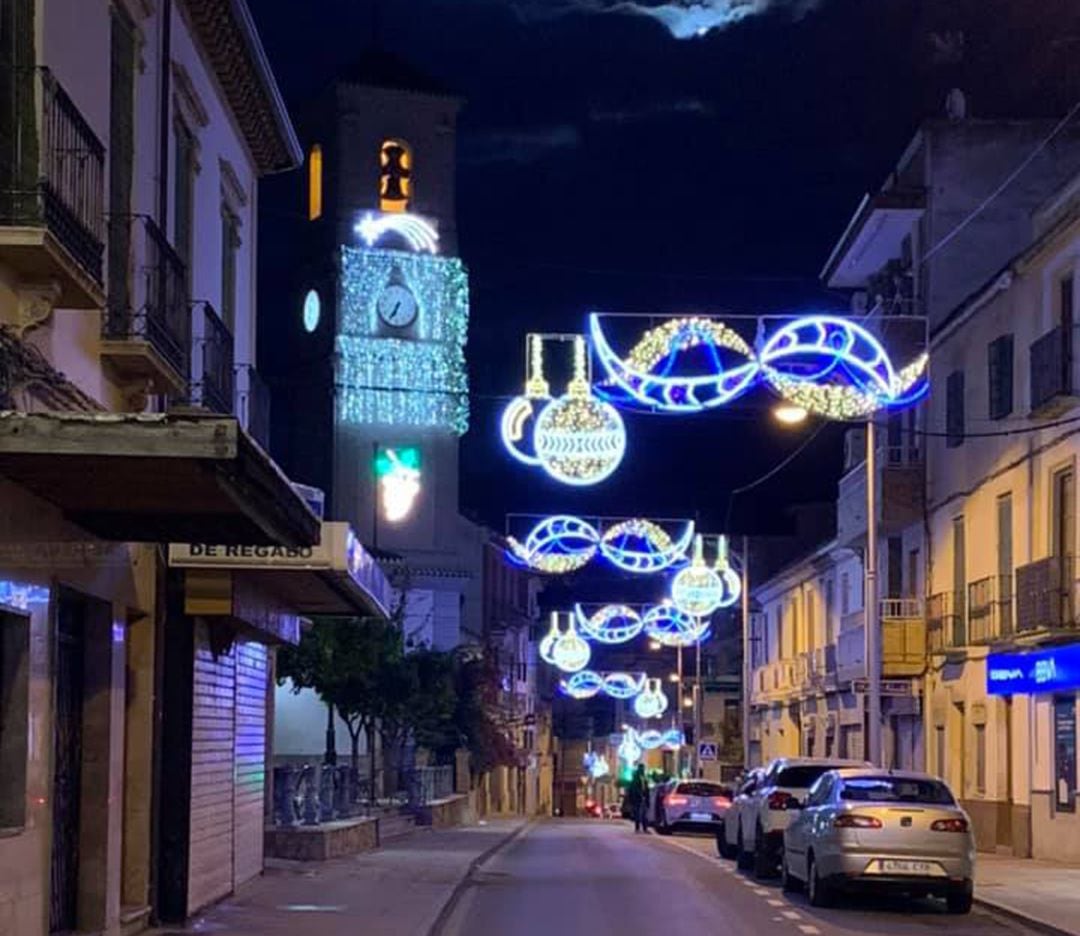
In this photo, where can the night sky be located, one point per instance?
(665, 158)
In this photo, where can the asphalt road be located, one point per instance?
(593, 878)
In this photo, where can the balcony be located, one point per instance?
(945, 622)
(1052, 390)
(990, 609)
(213, 379)
(253, 404)
(1046, 596)
(52, 189)
(146, 332)
(903, 641)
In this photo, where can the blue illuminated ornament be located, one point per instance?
(519, 417)
(569, 652)
(651, 739)
(585, 684)
(547, 643)
(651, 703)
(624, 685)
(643, 547)
(728, 576)
(22, 595)
(579, 440)
(629, 749)
(612, 624)
(828, 365)
(596, 764)
(566, 543)
(698, 590)
(556, 545)
(419, 234)
(670, 627)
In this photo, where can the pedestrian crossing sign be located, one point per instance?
(706, 750)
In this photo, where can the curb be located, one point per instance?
(465, 881)
(1026, 919)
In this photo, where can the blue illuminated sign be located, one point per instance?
(1051, 670)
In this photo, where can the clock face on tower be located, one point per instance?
(397, 306)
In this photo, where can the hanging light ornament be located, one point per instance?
(697, 590)
(728, 576)
(570, 652)
(629, 749)
(644, 547)
(651, 703)
(519, 418)
(579, 439)
(670, 627)
(585, 684)
(612, 624)
(547, 643)
(556, 545)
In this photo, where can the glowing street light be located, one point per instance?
(789, 414)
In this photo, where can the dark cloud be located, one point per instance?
(521, 145)
(652, 110)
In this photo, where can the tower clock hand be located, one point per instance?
(394, 311)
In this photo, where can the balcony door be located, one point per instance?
(1063, 531)
(1004, 562)
(959, 583)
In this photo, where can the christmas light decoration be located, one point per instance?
(629, 750)
(312, 310)
(398, 474)
(624, 686)
(556, 545)
(596, 765)
(565, 543)
(547, 643)
(579, 439)
(697, 590)
(22, 595)
(634, 743)
(417, 232)
(392, 381)
(644, 547)
(728, 576)
(585, 684)
(612, 624)
(670, 627)
(651, 702)
(570, 652)
(827, 365)
(520, 413)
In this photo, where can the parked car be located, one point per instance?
(767, 811)
(612, 811)
(873, 830)
(656, 801)
(727, 832)
(692, 804)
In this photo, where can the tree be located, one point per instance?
(476, 718)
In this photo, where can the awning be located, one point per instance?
(335, 577)
(874, 236)
(155, 478)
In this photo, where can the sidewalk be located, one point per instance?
(1041, 892)
(397, 890)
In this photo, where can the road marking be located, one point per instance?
(761, 892)
(773, 902)
(790, 914)
(808, 929)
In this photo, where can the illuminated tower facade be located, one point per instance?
(377, 394)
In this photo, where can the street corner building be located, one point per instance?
(134, 690)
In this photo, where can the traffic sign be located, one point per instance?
(706, 750)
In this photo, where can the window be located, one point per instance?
(1065, 753)
(14, 718)
(830, 607)
(896, 567)
(959, 635)
(954, 409)
(811, 636)
(121, 158)
(395, 175)
(980, 759)
(1005, 560)
(315, 182)
(1064, 524)
(888, 789)
(845, 593)
(184, 192)
(912, 589)
(1000, 372)
(230, 244)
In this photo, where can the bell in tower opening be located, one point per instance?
(395, 180)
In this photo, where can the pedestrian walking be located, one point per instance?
(638, 795)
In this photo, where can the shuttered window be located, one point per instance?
(954, 409)
(1000, 376)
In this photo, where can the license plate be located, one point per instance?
(701, 817)
(905, 866)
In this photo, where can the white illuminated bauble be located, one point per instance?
(579, 440)
(629, 749)
(518, 420)
(547, 644)
(571, 653)
(730, 579)
(697, 590)
(652, 703)
(312, 311)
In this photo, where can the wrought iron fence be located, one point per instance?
(311, 794)
(52, 172)
(944, 622)
(1046, 594)
(989, 609)
(253, 404)
(217, 380)
(426, 784)
(161, 315)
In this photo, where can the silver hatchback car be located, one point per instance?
(881, 830)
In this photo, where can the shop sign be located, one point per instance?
(1052, 670)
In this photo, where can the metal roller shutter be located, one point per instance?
(250, 738)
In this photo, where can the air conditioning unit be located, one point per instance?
(854, 448)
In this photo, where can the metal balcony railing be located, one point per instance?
(900, 608)
(161, 315)
(990, 609)
(253, 404)
(1051, 368)
(945, 624)
(217, 381)
(1046, 595)
(52, 171)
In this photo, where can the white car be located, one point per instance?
(758, 831)
(727, 847)
(692, 804)
(656, 799)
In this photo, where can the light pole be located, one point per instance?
(679, 708)
(872, 633)
(746, 670)
(698, 700)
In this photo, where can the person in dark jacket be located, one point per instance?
(638, 796)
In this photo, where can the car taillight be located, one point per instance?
(721, 801)
(855, 821)
(677, 800)
(780, 800)
(949, 825)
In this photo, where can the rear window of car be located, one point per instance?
(804, 776)
(896, 790)
(704, 789)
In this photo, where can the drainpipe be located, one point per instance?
(163, 116)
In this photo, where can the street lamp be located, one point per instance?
(789, 414)
(673, 677)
